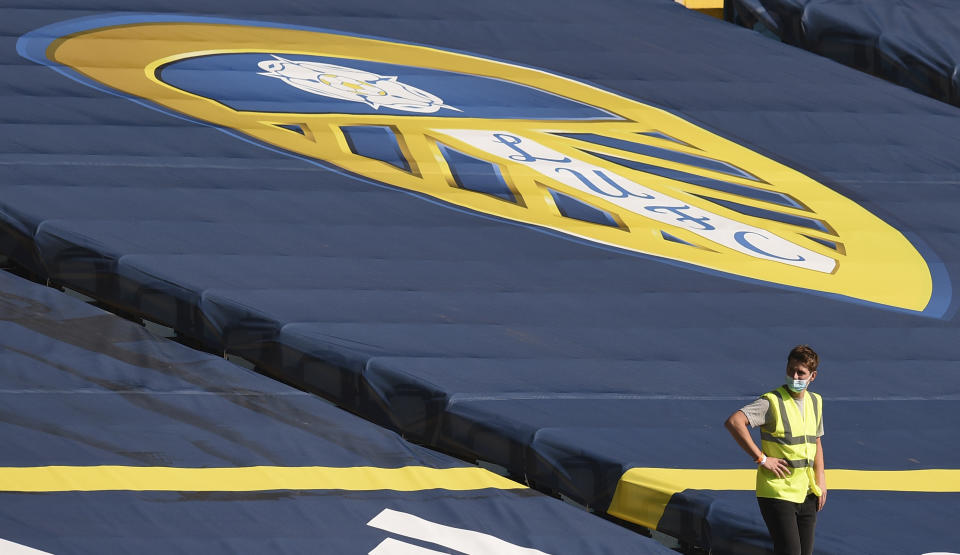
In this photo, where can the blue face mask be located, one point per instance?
(797, 385)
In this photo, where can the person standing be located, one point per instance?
(791, 483)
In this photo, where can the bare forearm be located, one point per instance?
(737, 426)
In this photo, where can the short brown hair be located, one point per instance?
(805, 356)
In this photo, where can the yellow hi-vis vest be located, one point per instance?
(794, 438)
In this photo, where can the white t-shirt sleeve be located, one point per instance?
(757, 412)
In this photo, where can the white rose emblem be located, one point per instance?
(355, 85)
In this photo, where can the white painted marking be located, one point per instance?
(11, 548)
(465, 541)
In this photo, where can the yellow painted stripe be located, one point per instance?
(643, 493)
(252, 478)
(702, 4)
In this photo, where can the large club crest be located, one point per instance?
(522, 144)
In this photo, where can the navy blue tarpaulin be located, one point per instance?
(567, 239)
(915, 44)
(117, 441)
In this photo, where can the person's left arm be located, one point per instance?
(820, 475)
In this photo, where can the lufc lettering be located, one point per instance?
(631, 196)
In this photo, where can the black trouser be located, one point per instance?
(791, 524)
